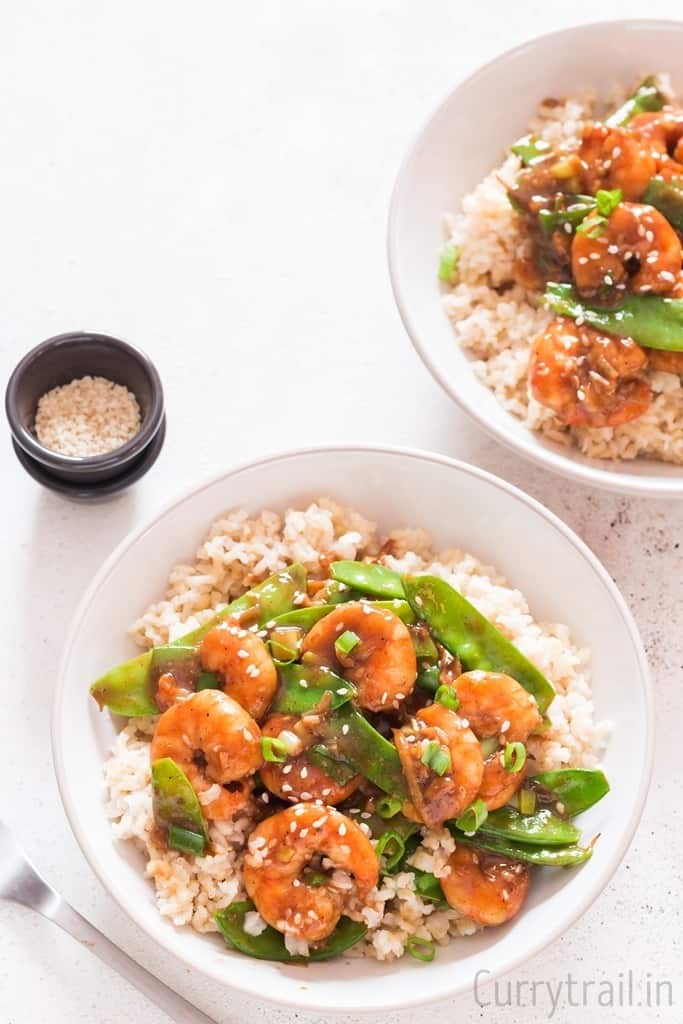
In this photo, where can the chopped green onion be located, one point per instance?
(429, 679)
(527, 801)
(421, 949)
(388, 806)
(448, 263)
(273, 749)
(436, 757)
(391, 846)
(345, 643)
(208, 681)
(185, 840)
(529, 149)
(514, 757)
(592, 226)
(316, 879)
(447, 696)
(281, 654)
(473, 818)
(607, 200)
(488, 746)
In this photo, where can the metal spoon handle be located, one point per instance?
(50, 904)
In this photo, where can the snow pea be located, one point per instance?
(667, 197)
(651, 320)
(530, 149)
(369, 578)
(547, 856)
(571, 210)
(303, 687)
(429, 678)
(305, 618)
(646, 98)
(543, 828)
(469, 635)
(428, 887)
(335, 767)
(350, 735)
(270, 944)
(128, 689)
(175, 801)
(576, 789)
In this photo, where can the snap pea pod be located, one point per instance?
(651, 320)
(270, 944)
(128, 689)
(530, 149)
(429, 678)
(547, 856)
(303, 687)
(646, 98)
(576, 789)
(335, 767)
(667, 197)
(305, 618)
(428, 887)
(369, 578)
(469, 635)
(174, 799)
(573, 212)
(543, 828)
(350, 735)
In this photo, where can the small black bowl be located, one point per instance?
(60, 360)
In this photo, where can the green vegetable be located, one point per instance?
(337, 768)
(646, 98)
(304, 618)
(514, 757)
(468, 635)
(128, 689)
(606, 203)
(424, 646)
(530, 149)
(667, 197)
(570, 210)
(448, 263)
(398, 607)
(607, 200)
(207, 681)
(488, 746)
(186, 841)
(447, 696)
(273, 750)
(390, 846)
(421, 949)
(270, 944)
(369, 578)
(548, 856)
(576, 788)
(303, 687)
(345, 643)
(175, 801)
(182, 660)
(540, 829)
(650, 320)
(436, 757)
(472, 819)
(428, 887)
(351, 736)
(593, 226)
(527, 801)
(388, 806)
(429, 679)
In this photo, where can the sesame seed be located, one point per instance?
(286, 769)
(242, 653)
(303, 773)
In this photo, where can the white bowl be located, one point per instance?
(460, 144)
(461, 506)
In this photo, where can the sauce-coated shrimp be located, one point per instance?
(588, 379)
(437, 797)
(495, 704)
(662, 132)
(218, 746)
(382, 665)
(484, 886)
(668, 362)
(279, 850)
(243, 664)
(498, 785)
(298, 778)
(637, 247)
(615, 158)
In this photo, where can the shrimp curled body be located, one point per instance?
(488, 888)
(280, 849)
(243, 664)
(298, 778)
(495, 704)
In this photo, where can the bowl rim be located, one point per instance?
(309, 1001)
(107, 460)
(590, 473)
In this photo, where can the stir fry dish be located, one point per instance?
(353, 712)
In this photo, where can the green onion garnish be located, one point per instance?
(388, 806)
(208, 681)
(448, 263)
(607, 200)
(592, 226)
(529, 148)
(391, 846)
(185, 841)
(527, 801)
(514, 757)
(316, 879)
(473, 818)
(273, 749)
(421, 949)
(345, 643)
(436, 757)
(447, 696)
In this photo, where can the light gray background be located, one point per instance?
(211, 182)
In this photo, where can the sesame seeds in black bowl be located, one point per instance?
(86, 413)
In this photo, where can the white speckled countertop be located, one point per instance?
(211, 181)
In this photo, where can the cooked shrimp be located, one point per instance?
(615, 158)
(298, 778)
(241, 659)
(280, 849)
(216, 743)
(382, 665)
(484, 886)
(499, 785)
(638, 247)
(495, 704)
(662, 131)
(668, 362)
(439, 797)
(587, 378)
